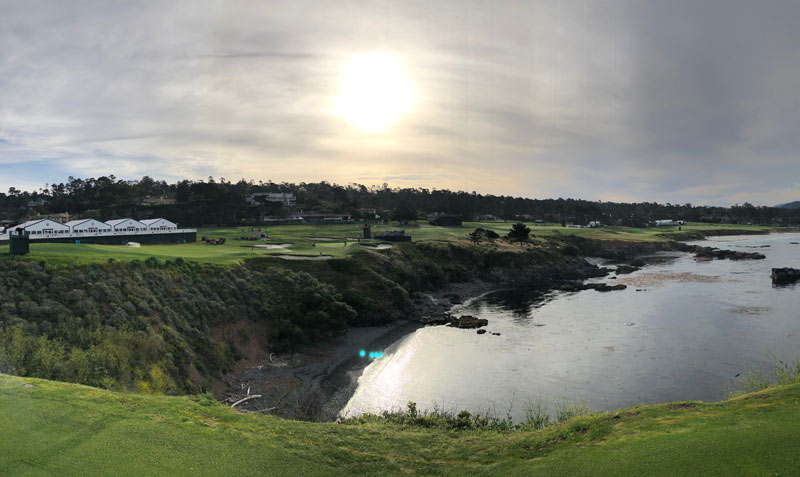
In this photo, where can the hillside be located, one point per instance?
(65, 429)
(790, 205)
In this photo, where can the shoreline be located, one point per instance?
(316, 381)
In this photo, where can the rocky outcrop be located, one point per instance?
(709, 253)
(625, 269)
(785, 276)
(601, 287)
(468, 322)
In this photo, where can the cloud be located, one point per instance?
(670, 101)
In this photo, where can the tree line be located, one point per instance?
(224, 202)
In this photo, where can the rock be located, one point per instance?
(785, 276)
(602, 287)
(709, 253)
(794, 243)
(612, 278)
(637, 262)
(468, 322)
(437, 319)
(495, 334)
(625, 269)
(481, 332)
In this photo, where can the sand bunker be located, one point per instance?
(305, 257)
(273, 245)
(654, 279)
(380, 246)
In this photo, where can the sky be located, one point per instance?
(669, 101)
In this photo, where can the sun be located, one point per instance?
(374, 93)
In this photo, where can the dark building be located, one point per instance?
(447, 221)
(394, 236)
(19, 242)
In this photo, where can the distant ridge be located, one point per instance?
(790, 205)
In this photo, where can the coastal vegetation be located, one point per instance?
(147, 325)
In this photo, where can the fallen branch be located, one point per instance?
(245, 399)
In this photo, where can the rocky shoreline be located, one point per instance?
(315, 382)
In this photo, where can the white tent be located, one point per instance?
(42, 227)
(88, 225)
(159, 224)
(126, 225)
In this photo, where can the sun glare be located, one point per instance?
(374, 92)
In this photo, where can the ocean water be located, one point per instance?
(692, 327)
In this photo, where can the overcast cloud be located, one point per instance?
(668, 101)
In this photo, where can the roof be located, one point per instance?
(73, 223)
(119, 221)
(33, 222)
(152, 221)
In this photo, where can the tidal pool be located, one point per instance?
(691, 329)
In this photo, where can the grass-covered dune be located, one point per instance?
(52, 428)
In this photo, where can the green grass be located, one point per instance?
(236, 250)
(66, 429)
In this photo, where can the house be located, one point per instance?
(154, 201)
(42, 227)
(285, 198)
(91, 226)
(665, 223)
(126, 225)
(155, 225)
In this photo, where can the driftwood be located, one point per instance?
(245, 399)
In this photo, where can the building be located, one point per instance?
(393, 236)
(285, 198)
(154, 201)
(159, 224)
(41, 228)
(113, 232)
(126, 225)
(88, 226)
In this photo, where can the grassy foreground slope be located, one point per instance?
(67, 429)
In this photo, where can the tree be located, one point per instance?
(404, 214)
(477, 236)
(519, 233)
(491, 235)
